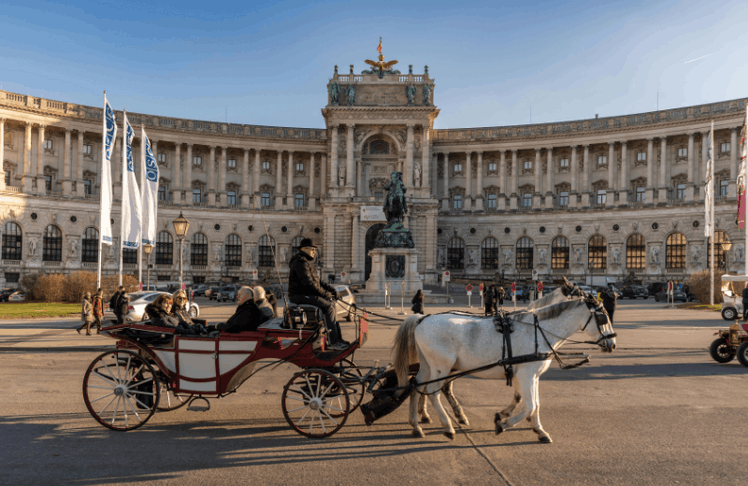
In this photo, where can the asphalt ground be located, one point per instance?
(657, 411)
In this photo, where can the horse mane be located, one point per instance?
(550, 311)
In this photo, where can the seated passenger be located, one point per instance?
(158, 312)
(265, 307)
(247, 317)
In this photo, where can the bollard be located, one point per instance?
(402, 300)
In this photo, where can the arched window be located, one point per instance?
(597, 252)
(199, 250)
(719, 252)
(164, 248)
(635, 252)
(52, 244)
(12, 241)
(90, 246)
(456, 254)
(266, 251)
(560, 253)
(524, 253)
(489, 254)
(675, 251)
(233, 250)
(295, 245)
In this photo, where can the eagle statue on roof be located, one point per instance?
(381, 67)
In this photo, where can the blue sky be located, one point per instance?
(495, 63)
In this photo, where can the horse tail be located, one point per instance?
(405, 348)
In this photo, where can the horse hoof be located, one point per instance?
(426, 420)
(545, 440)
(449, 435)
(464, 421)
(418, 434)
(499, 428)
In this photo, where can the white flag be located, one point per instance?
(109, 136)
(131, 197)
(149, 181)
(709, 186)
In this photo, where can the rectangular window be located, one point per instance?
(163, 278)
(492, 166)
(527, 165)
(231, 198)
(87, 187)
(641, 156)
(298, 201)
(527, 200)
(299, 166)
(7, 177)
(48, 144)
(680, 191)
(458, 167)
(161, 157)
(197, 161)
(724, 187)
(683, 152)
(457, 202)
(492, 201)
(12, 277)
(129, 255)
(87, 149)
(563, 163)
(265, 165)
(198, 279)
(602, 160)
(232, 163)
(161, 193)
(265, 199)
(724, 147)
(641, 194)
(602, 196)
(563, 199)
(48, 183)
(197, 196)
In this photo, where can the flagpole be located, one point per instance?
(711, 213)
(744, 168)
(101, 195)
(122, 207)
(142, 197)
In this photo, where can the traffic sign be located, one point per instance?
(481, 287)
(342, 274)
(534, 274)
(468, 287)
(514, 286)
(140, 285)
(184, 286)
(446, 276)
(540, 286)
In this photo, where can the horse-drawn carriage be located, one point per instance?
(733, 341)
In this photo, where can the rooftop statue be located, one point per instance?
(380, 67)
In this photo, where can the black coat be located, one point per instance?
(609, 301)
(488, 298)
(745, 296)
(417, 302)
(247, 317)
(160, 318)
(123, 304)
(303, 279)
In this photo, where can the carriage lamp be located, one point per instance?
(148, 248)
(181, 225)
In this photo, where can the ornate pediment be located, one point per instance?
(679, 179)
(377, 184)
(267, 188)
(299, 189)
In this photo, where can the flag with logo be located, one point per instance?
(131, 196)
(379, 47)
(743, 173)
(109, 136)
(709, 185)
(149, 183)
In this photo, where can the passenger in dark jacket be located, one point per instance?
(488, 300)
(123, 307)
(305, 287)
(609, 302)
(248, 315)
(745, 302)
(159, 312)
(417, 302)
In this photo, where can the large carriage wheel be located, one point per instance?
(350, 375)
(309, 401)
(121, 390)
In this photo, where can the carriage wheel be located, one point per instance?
(350, 375)
(309, 401)
(121, 390)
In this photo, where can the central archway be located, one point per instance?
(371, 237)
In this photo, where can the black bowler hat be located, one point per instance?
(306, 243)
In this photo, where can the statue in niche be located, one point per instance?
(351, 92)
(417, 172)
(218, 253)
(473, 257)
(696, 255)
(507, 257)
(427, 88)
(32, 246)
(441, 258)
(579, 256)
(541, 256)
(410, 92)
(250, 255)
(185, 253)
(654, 255)
(73, 248)
(341, 175)
(616, 256)
(284, 255)
(335, 92)
(739, 254)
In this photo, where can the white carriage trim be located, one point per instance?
(206, 386)
(167, 358)
(197, 345)
(229, 362)
(197, 365)
(237, 345)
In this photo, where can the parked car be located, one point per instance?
(200, 290)
(634, 292)
(227, 292)
(5, 294)
(677, 295)
(655, 287)
(212, 293)
(16, 297)
(138, 301)
(346, 295)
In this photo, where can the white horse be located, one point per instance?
(447, 342)
(561, 294)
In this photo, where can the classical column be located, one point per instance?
(408, 172)
(311, 203)
(67, 185)
(574, 168)
(586, 173)
(188, 175)
(690, 158)
(468, 182)
(222, 176)
(445, 195)
(334, 174)
(79, 190)
(354, 243)
(323, 175)
(256, 174)
(41, 186)
(479, 183)
(664, 183)
(329, 249)
(245, 179)
(289, 181)
(2, 153)
(537, 169)
(350, 176)
(733, 161)
(624, 182)
(279, 179)
(177, 174)
(27, 160)
(704, 155)
(549, 174)
(502, 172)
(515, 176)
(425, 157)
(610, 199)
(211, 167)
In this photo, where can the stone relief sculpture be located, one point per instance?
(417, 173)
(341, 175)
(186, 253)
(111, 252)
(335, 92)
(541, 256)
(218, 254)
(32, 246)
(473, 257)
(284, 255)
(616, 256)
(654, 255)
(73, 248)
(696, 255)
(441, 258)
(579, 256)
(739, 254)
(507, 257)
(250, 255)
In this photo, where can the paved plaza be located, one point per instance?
(657, 411)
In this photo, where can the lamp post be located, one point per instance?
(726, 245)
(181, 225)
(148, 248)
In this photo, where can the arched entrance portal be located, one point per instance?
(371, 237)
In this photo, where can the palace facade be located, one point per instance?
(612, 196)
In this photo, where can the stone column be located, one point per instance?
(289, 181)
(733, 161)
(468, 202)
(27, 160)
(350, 168)
(177, 174)
(502, 173)
(513, 203)
(538, 169)
(67, 184)
(334, 174)
(245, 179)
(41, 187)
(610, 199)
(355, 267)
(2, 153)
(624, 182)
(323, 175)
(329, 249)
(549, 180)
(479, 183)
(222, 177)
(704, 156)
(256, 174)
(425, 157)
(664, 183)
(79, 190)
(279, 180)
(211, 166)
(188, 176)
(445, 195)
(690, 158)
(574, 168)
(586, 177)
(408, 172)
(311, 203)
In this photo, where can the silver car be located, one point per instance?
(138, 301)
(350, 302)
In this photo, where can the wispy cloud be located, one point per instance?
(697, 59)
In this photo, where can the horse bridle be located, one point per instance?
(601, 319)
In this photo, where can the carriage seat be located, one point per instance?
(297, 314)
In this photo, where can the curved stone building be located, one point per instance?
(612, 196)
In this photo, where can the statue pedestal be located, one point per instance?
(397, 267)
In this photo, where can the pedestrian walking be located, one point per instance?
(86, 314)
(488, 300)
(98, 309)
(123, 304)
(417, 302)
(501, 295)
(609, 302)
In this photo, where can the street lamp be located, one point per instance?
(726, 245)
(181, 225)
(148, 248)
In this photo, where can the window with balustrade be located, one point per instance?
(682, 151)
(161, 193)
(724, 188)
(199, 249)
(52, 244)
(197, 196)
(675, 251)
(489, 254)
(641, 194)
(524, 253)
(161, 157)
(87, 149)
(601, 197)
(635, 252)
(457, 201)
(597, 253)
(265, 199)
(680, 191)
(164, 248)
(724, 148)
(233, 251)
(492, 201)
(560, 253)
(266, 247)
(12, 242)
(602, 160)
(298, 201)
(90, 246)
(563, 163)
(456, 254)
